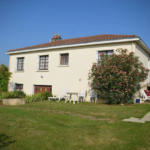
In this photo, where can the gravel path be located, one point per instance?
(69, 113)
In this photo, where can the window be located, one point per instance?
(43, 62)
(105, 53)
(20, 64)
(19, 86)
(64, 59)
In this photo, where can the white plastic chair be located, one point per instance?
(143, 95)
(62, 95)
(82, 94)
(93, 94)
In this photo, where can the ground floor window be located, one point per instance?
(42, 88)
(19, 86)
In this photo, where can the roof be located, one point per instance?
(87, 39)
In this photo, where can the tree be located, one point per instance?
(4, 77)
(117, 77)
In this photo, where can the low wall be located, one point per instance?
(13, 101)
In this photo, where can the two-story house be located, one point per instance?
(64, 64)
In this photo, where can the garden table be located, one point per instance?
(72, 93)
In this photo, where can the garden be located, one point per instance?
(51, 125)
(43, 124)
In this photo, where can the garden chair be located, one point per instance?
(143, 95)
(62, 95)
(82, 94)
(93, 94)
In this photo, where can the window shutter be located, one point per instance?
(38, 63)
(97, 56)
(60, 59)
(48, 63)
(23, 64)
(68, 59)
(16, 65)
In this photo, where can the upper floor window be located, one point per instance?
(109, 52)
(64, 59)
(20, 64)
(43, 62)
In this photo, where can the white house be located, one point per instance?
(64, 64)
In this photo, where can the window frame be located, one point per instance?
(39, 65)
(60, 58)
(22, 64)
(20, 88)
(98, 59)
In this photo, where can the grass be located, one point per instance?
(84, 126)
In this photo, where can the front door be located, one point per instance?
(42, 88)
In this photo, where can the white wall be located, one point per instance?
(143, 57)
(80, 62)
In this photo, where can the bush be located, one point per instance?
(38, 97)
(4, 77)
(14, 94)
(0, 97)
(117, 77)
(46, 95)
(29, 98)
(20, 94)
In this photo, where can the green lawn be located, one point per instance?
(85, 126)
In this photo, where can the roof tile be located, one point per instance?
(78, 40)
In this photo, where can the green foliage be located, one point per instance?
(29, 98)
(4, 77)
(117, 77)
(0, 97)
(46, 95)
(14, 94)
(38, 97)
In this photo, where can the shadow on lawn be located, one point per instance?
(4, 140)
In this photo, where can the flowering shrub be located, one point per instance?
(117, 77)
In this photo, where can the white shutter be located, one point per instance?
(97, 56)
(38, 63)
(23, 64)
(48, 62)
(16, 64)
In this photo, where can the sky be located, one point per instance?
(31, 22)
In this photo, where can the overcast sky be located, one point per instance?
(31, 22)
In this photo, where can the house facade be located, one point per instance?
(65, 64)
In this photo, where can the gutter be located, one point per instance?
(81, 44)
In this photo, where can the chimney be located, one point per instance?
(56, 38)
